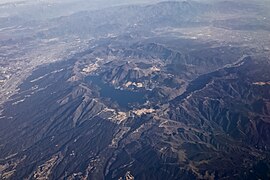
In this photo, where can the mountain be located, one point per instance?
(155, 91)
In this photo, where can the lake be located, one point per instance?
(124, 98)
